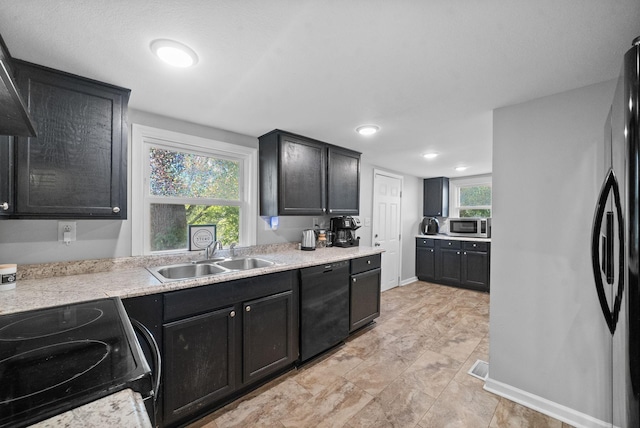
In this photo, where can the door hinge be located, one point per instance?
(400, 237)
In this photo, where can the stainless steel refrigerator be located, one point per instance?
(615, 242)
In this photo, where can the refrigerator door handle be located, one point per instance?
(605, 266)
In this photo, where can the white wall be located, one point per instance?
(548, 337)
(35, 241)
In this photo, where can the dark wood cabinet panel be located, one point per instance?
(268, 336)
(303, 176)
(344, 181)
(436, 197)
(77, 165)
(450, 263)
(6, 176)
(364, 299)
(199, 364)
(425, 264)
(475, 269)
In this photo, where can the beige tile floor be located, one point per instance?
(407, 370)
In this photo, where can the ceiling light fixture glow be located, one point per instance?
(461, 168)
(174, 53)
(367, 129)
(430, 155)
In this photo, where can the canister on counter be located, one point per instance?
(8, 276)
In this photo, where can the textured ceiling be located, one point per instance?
(429, 73)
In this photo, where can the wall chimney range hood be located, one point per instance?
(14, 117)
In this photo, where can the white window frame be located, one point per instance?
(143, 137)
(455, 184)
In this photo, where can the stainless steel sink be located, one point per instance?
(245, 263)
(189, 270)
(207, 268)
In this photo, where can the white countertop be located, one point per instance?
(137, 281)
(121, 409)
(454, 238)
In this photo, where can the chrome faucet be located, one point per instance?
(211, 249)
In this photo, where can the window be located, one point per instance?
(471, 197)
(187, 180)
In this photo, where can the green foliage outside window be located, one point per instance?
(187, 175)
(475, 196)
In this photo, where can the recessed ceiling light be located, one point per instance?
(461, 168)
(367, 129)
(174, 53)
(430, 155)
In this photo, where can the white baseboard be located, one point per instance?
(408, 281)
(542, 405)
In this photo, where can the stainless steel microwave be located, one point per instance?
(475, 227)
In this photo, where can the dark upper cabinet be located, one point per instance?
(6, 176)
(77, 165)
(14, 118)
(303, 176)
(436, 197)
(343, 175)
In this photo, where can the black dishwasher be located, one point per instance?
(324, 307)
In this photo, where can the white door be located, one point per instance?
(387, 194)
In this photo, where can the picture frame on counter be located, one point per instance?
(201, 236)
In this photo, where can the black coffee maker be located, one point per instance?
(344, 231)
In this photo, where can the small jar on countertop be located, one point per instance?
(8, 276)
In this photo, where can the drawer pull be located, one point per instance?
(355, 279)
(232, 314)
(248, 309)
(368, 262)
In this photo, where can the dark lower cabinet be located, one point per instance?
(364, 291)
(425, 259)
(267, 335)
(453, 262)
(222, 339)
(200, 358)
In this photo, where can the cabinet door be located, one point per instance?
(77, 166)
(6, 175)
(302, 176)
(364, 299)
(268, 335)
(344, 181)
(475, 270)
(436, 197)
(450, 266)
(425, 264)
(199, 363)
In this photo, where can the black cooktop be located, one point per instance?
(55, 359)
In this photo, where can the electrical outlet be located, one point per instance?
(315, 222)
(66, 231)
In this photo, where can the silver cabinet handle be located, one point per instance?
(475, 245)
(248, 309)
(368, 262)
(116, 210)
(465, 253)
(4, 206)
(355, 280)
(232, 314)
(458, 253)
(432, 251)
(449, 243)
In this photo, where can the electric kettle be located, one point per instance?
(308, 240)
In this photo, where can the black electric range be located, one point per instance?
(56, 359)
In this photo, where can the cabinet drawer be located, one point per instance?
(364, 264)
(193, 301)
(454, 245)
(425, 242)
(475, 246)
